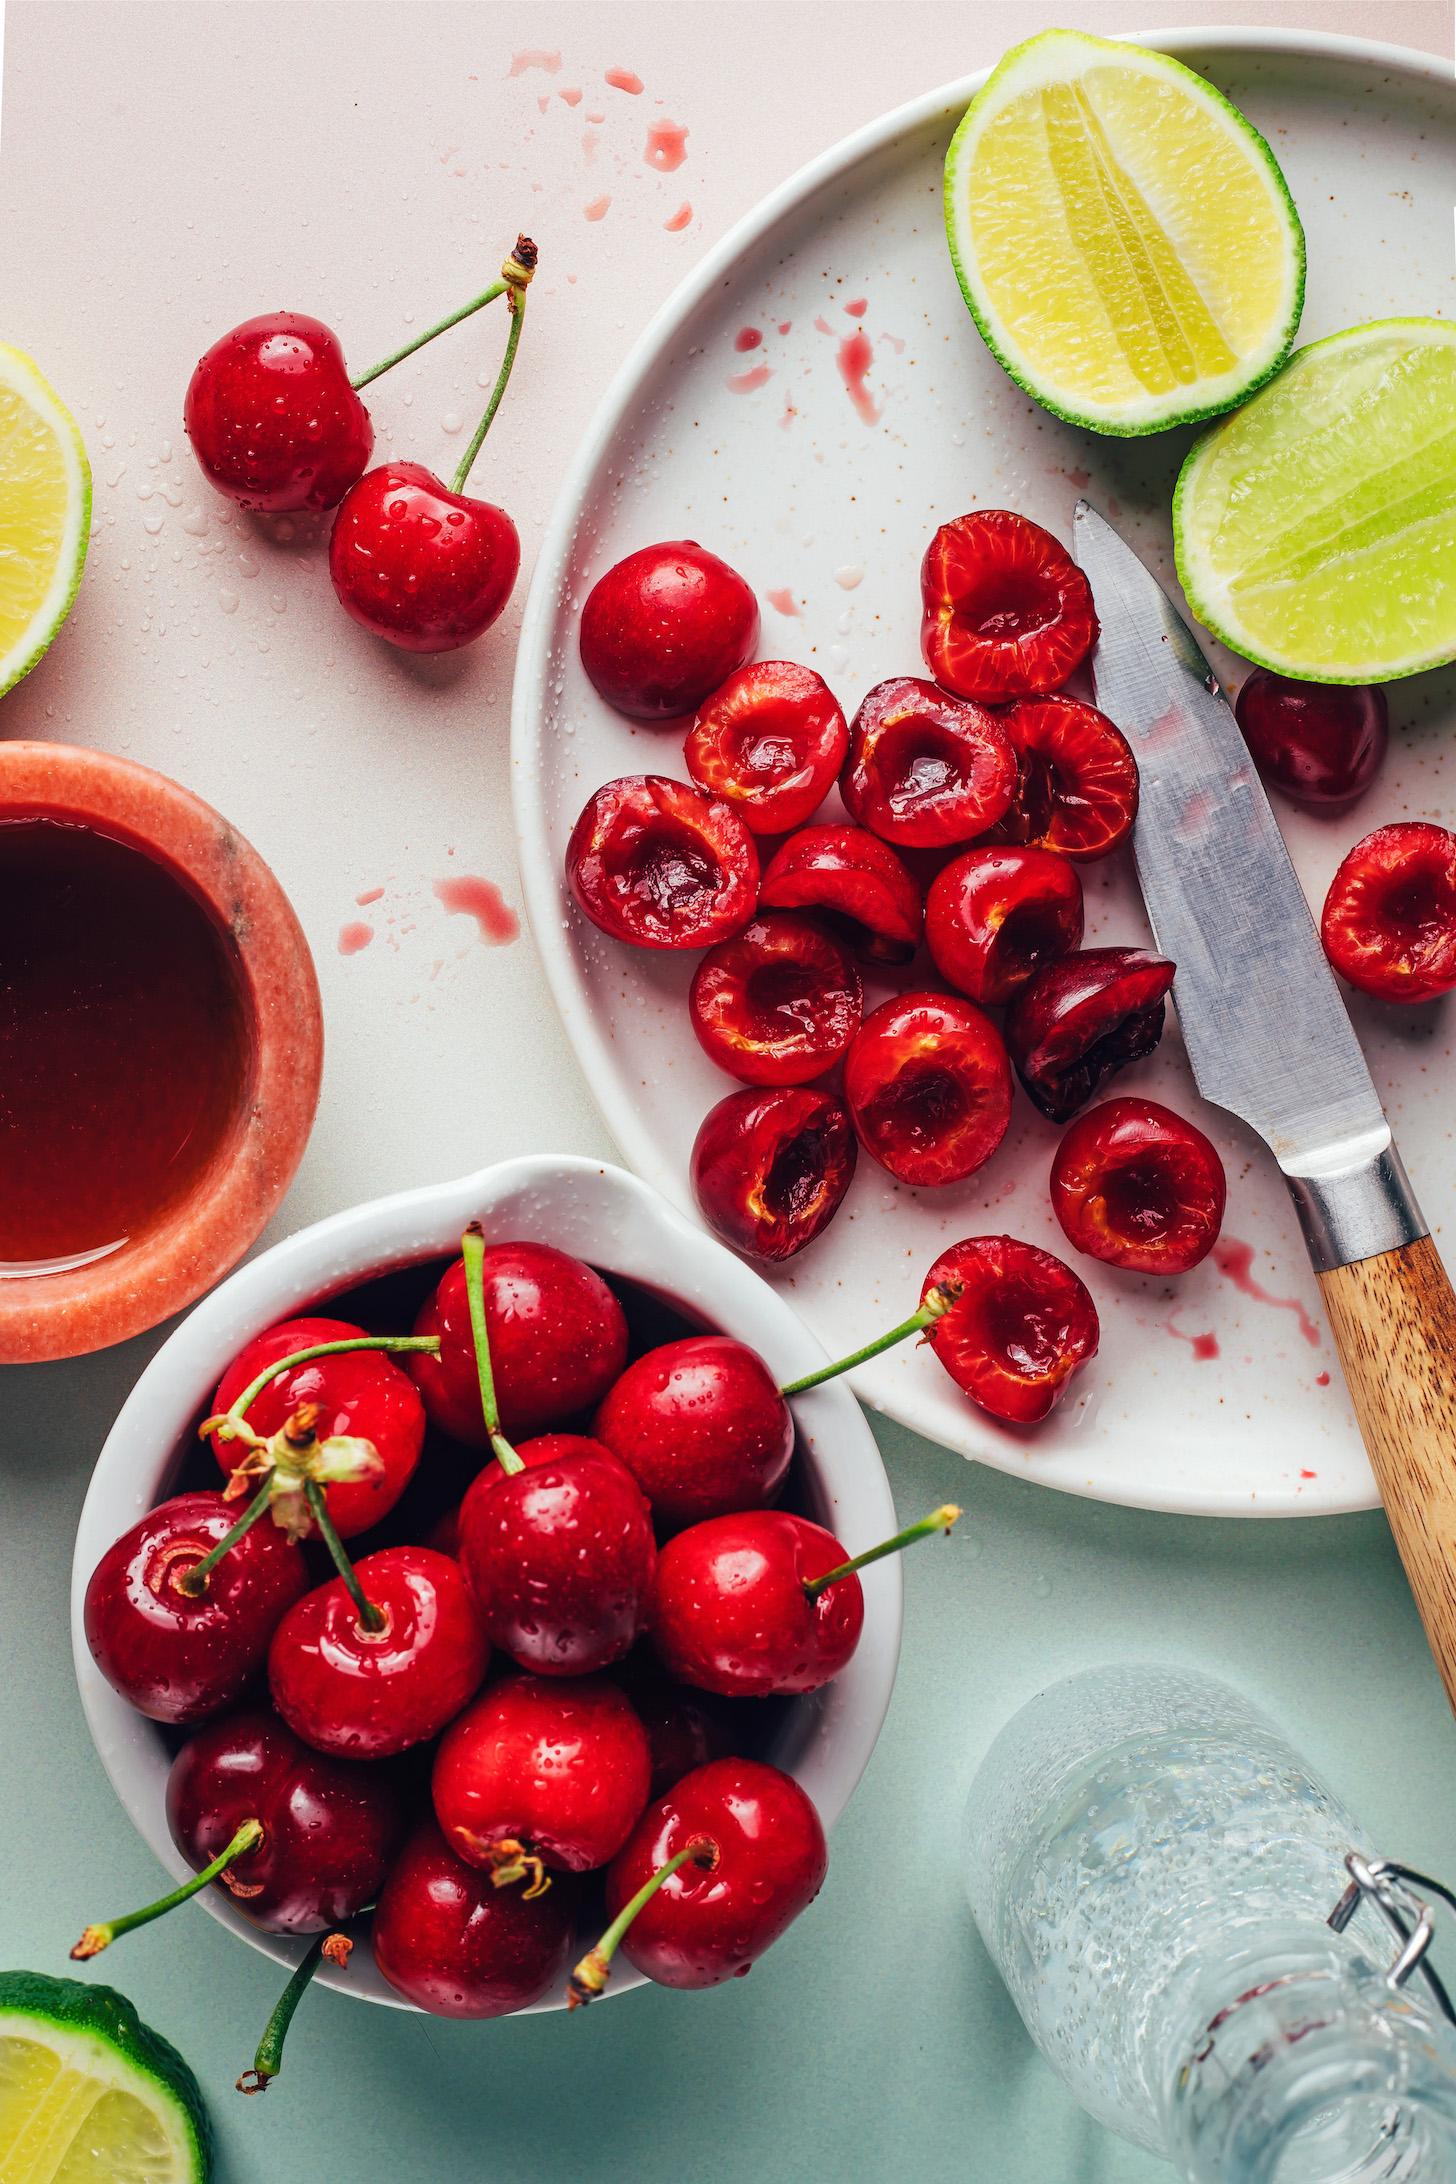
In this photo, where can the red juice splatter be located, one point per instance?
(782, 601)
(666, 148)
(747, 382)
(597, 209)
(854, 359)
(679, 219)
(790, 413)
(572, 96)
(1204, 1347)
(534, 58)
(747, 337)
(625, 79)
(1077, 478)
(1309, 1474)
(596, 118)
(784, 325)
(370, 894)
(354, 936)
(858, 308)
(894, 341)
(1321, 1380)
(543, 102)
(495, 920)
(1235, 1262)
(822, 325)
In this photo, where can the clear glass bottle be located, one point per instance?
(1153, 1868)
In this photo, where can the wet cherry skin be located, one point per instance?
(685, 1728)
(1138, 1187)
(451, 1942)
(925, 768)
(658, 863)
(1082, 1017)
(662, 629)
(1076, 779)
(330, 1827)
(855, 883)
(1006, 611)
(272, 418)
(423, 567)
(730, 1613)
(176, 1658)
(778, 1003)
(368, 1694)
(770, 1168)
(770, 741)
(929, 1086)
(701, 1426)
(1021, 1327)
(1322, 745)
(1389, 920)
(994, 916)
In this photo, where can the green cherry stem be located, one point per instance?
(442, 326)
(370, 1617)
(393, 1345)
(268, 2060)
(516, 274)
(97, 1938)
(590, 1977)
(193, 1582)
(936, 1304)
(472, 1251)
(939, 1520)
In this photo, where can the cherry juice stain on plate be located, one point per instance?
(858, 308)
(746, 338)
(495, 920)
(666, 148)
(124, 1043)
(677, 221)
(533, 57)
(624, 79)
(782, 601)
(598, 208)
(355, 935)
(369, 894)
(757, 375)
(1321, 1380)
(854, 358)
(1235, 1262)
(1204, 1347)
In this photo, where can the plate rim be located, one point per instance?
(541, 886)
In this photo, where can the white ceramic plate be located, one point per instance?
(827, 509)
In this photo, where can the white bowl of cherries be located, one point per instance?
(586, 1634)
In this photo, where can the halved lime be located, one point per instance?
(1123, 236)
(91, 2095)
(1315, 531)
(45, 514)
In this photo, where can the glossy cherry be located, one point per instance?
(658, 863)
(420, 563)
(929, 1086)
(542, 1774)
(451, 1942)
(558, 1339)
(1389, 921)
(685, 1728)
(994, 916)
(770, 742)
(272, 416)
(778, 1003)
(178, 1655)
(855, 883)
(1083, 1017)
(925, 768)
(1322, 745)
(1007, 612)
(701, 1426)
(1076, 779)
(664, 628)
(1020, 1327)
(1139, 1187)
(770, 1168)
(366, 1694)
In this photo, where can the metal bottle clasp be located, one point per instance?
(1392, 1889)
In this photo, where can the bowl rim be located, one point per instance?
(632, 1222)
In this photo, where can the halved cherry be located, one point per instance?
(1389, 922)
(770, 1168)
(926, 769)
(1007, 612)
(856, 882)
(660, 864)
(1083, 1017)
(778, 1003)
(929, 1087)
(1076, 779)
(1021, 1326)
(1137, 1186)
(993, 917)
(1320, 745)
(770, 743)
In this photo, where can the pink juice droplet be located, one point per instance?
(495, 920)
(625, 79)
(854, 359)
(746, 382)
(597, 209)
(858, 308)
(822, 325)
(679, 219)
(370, 894)
(572, 96)
(1235, 1262)
(782, 601)
(667, 147)
(1321, 1380)
(354, 936)
(533, 57)
(747, 337)
(1204, 1346)
(785, 324)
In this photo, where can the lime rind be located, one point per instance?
(1148, 418)
(22, 375)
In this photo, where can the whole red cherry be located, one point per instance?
(272, 417)
(664, 627)
(1020, 1327)
(776, 1004)
(770, 742)
(685, 1728)
(770, 1168)
(426, 567)
(657, 863)
(1389, 921)
(1007, 612)
(733, 1609)
(929, 1086)
(175, 1655)
(994, 916)
(1137, 1186)
(540, 1773)
(1321, 745)
(359, 1392)
(701, 1426)
(1082, 1017)
(366, 1694)
(925, 768)
(451, 1942)
(1076, 779)
(558, 1339)
(855, 883)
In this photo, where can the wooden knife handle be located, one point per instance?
(1394, 1322)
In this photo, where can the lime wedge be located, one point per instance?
(89, 2094)
(1316, 530)
(45, 514)
(1123, 236)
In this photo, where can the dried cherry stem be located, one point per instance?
(934, 1305)
(442, 326)
(193, 1582)
(939, 1520)
(370, 1617)
(472, 1251)
(591, 1975)
(268, 2060)
(97, 1938)
(510, 1861)
(232, 1423)
(517, 274)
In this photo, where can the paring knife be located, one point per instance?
(1269, 1039)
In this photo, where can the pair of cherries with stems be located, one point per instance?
(276, 423)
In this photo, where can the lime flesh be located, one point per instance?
(45, 514)
(89, 2093)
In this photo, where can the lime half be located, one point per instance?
(89, 2094)
(1316, 530)
(1123, 236)
(45, 514)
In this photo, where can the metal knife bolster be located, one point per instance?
(1353, 1200)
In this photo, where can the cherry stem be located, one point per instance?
(193, 1582)
(472, 1251)
(370, 1617)
(590, 1977)
(477, 303)
(516, 274)
(935, 1304)
(268, 2060)
(235, 1414)
(939, 1520)
(97, 1938)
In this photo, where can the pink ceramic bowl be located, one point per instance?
(168, 1265)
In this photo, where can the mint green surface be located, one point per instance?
(875, 2038)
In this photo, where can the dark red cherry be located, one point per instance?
(173, 1655)
(1389, 922)
(1076, 779)
(272, 417)
(855, 883)
(1083, 1017)
(657, 863)
(451, 1942)
(426, 568)
(701, 1426)
(664, 628)
(685, 1728)
(770, 742)
(1021, 1327)
(1322, 745)
(776, 1004)
(925, 768)
(929, 1086)
(770, 1168)
(994, 916)
(1007, 612)
(732, 1612)
(1137, 1186)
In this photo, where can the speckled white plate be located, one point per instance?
(1219, 1394)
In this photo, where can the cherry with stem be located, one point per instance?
(97, 1938)
(935, 1305)
(590, 1977)
(472, 1251)
(268, 2060)
(943, 1519)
